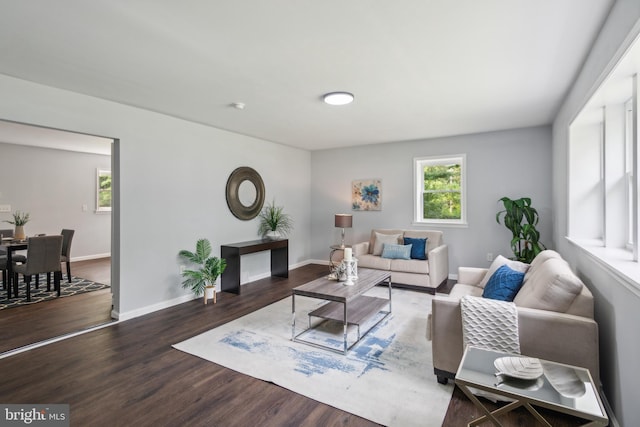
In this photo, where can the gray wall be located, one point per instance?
(172, 178)
(52, 185)
(513, 163)
(617, 308)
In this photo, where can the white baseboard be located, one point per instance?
(127, 315)
(88, 257)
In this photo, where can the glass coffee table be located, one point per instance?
(562, 388)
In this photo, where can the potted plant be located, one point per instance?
(19, 220)
(274, 223)
(521, 219)
(202, 280)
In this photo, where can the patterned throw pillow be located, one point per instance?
(392, 251)
(419, 248)
(504, 284)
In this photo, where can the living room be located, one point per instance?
(170, 179)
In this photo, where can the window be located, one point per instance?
(628, 172)
(439, 196)
(103, 191)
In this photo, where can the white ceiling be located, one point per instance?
(418, 68)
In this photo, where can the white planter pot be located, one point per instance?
(210, 294)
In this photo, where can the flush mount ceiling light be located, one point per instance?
(338, 98)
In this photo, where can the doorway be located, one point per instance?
(52, 174)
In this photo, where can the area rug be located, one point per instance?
(386, 378)
(77, 286)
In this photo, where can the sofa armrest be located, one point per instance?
(360, 249)
(560, 337)
(438, 265)
(446, 333)
(471, 275)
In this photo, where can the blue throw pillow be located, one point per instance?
(418, 248)
(504, 284)
(389, 250)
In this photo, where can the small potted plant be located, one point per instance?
(19, 220)
(202, 280)
(274, 223)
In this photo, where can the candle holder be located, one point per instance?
(350, 269)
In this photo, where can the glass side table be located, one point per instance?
(562, 388)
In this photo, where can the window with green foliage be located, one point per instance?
(439, 190)
(103, 193)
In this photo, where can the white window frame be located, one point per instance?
(99, 173)
(418, 186)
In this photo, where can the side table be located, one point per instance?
(562, 388)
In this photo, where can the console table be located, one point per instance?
(230, 279)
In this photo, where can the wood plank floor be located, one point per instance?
(29, 324)
(128, 373)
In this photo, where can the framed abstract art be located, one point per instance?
(366, 195)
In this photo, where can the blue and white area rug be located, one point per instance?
(386, 378)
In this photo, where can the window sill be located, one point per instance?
(441, 224)
(618, 262)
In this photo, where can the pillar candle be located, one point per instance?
(347, 254)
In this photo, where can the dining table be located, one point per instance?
(11, 246)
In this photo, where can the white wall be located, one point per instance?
(52, 185)
(173, 175)
(617, 308)
(513, 163)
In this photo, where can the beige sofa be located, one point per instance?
(555, 317)
(428, 274)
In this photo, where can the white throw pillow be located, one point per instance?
(381, 239)
(499, 262)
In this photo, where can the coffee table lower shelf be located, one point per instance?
(358, 312)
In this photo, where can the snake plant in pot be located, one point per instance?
(521, 219)
(202, 280)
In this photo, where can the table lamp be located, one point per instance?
(343, 221)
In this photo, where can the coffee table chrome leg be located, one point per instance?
(345, 328)
(293, 317)
(389, 283)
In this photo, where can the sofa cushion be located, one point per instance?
(393, 251)
(539, 260)
(410, 266)
(381, 239)
(460, 289)
(553, 286)
(504, 284)
(373, 261)
(418, 248)
(498, 262)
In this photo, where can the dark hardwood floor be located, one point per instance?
(33, 323)
(128, 374)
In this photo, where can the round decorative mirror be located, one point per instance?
(245, 193)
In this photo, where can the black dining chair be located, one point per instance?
(67, 237)
(43, 256)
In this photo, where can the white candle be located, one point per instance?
(347, 254)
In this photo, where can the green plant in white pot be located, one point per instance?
(19, 220)
(274, 223)
(202, 280)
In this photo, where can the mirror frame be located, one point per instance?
(237, 177)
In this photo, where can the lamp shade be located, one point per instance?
(344, 220)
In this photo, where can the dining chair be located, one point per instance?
(67, 237)
(3, 267)
(43, 256)
(16, 257)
